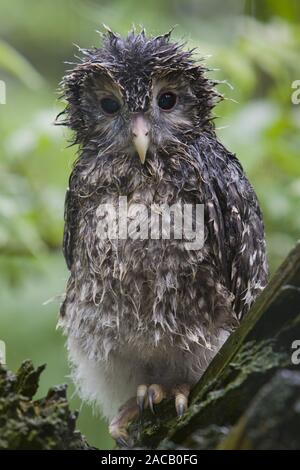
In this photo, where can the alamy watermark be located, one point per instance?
(2, 92)
(296, 94)
(2, 353)
(295, 358)
(180, 221)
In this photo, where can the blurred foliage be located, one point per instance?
(253, 44)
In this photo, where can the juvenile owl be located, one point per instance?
(144, 315)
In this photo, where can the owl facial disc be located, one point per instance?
(140, 133)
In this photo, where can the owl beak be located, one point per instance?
(141, 140)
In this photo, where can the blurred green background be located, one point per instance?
(253, 45)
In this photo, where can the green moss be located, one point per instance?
(47, 423)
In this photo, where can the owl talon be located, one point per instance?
(181, 393)
(181, 405)
(141, 397)
(124, 444)
(118, 426)
(156, 393)
(150, 400)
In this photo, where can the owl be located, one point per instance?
(144, 316)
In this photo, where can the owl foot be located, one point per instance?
(147, 395)
(119, 425)
(150, 395)
(155, 393)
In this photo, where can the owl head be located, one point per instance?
(137, 95)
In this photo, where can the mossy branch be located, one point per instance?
(26, 423)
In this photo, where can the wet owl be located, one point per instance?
(144, 316)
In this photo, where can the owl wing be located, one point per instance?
(246, 253)
(235, 226)
(245, 241)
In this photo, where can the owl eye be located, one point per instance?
(110, 105)
(166, 101)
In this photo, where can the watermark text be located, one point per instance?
(180, 221)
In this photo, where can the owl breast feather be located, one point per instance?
(157, 291)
